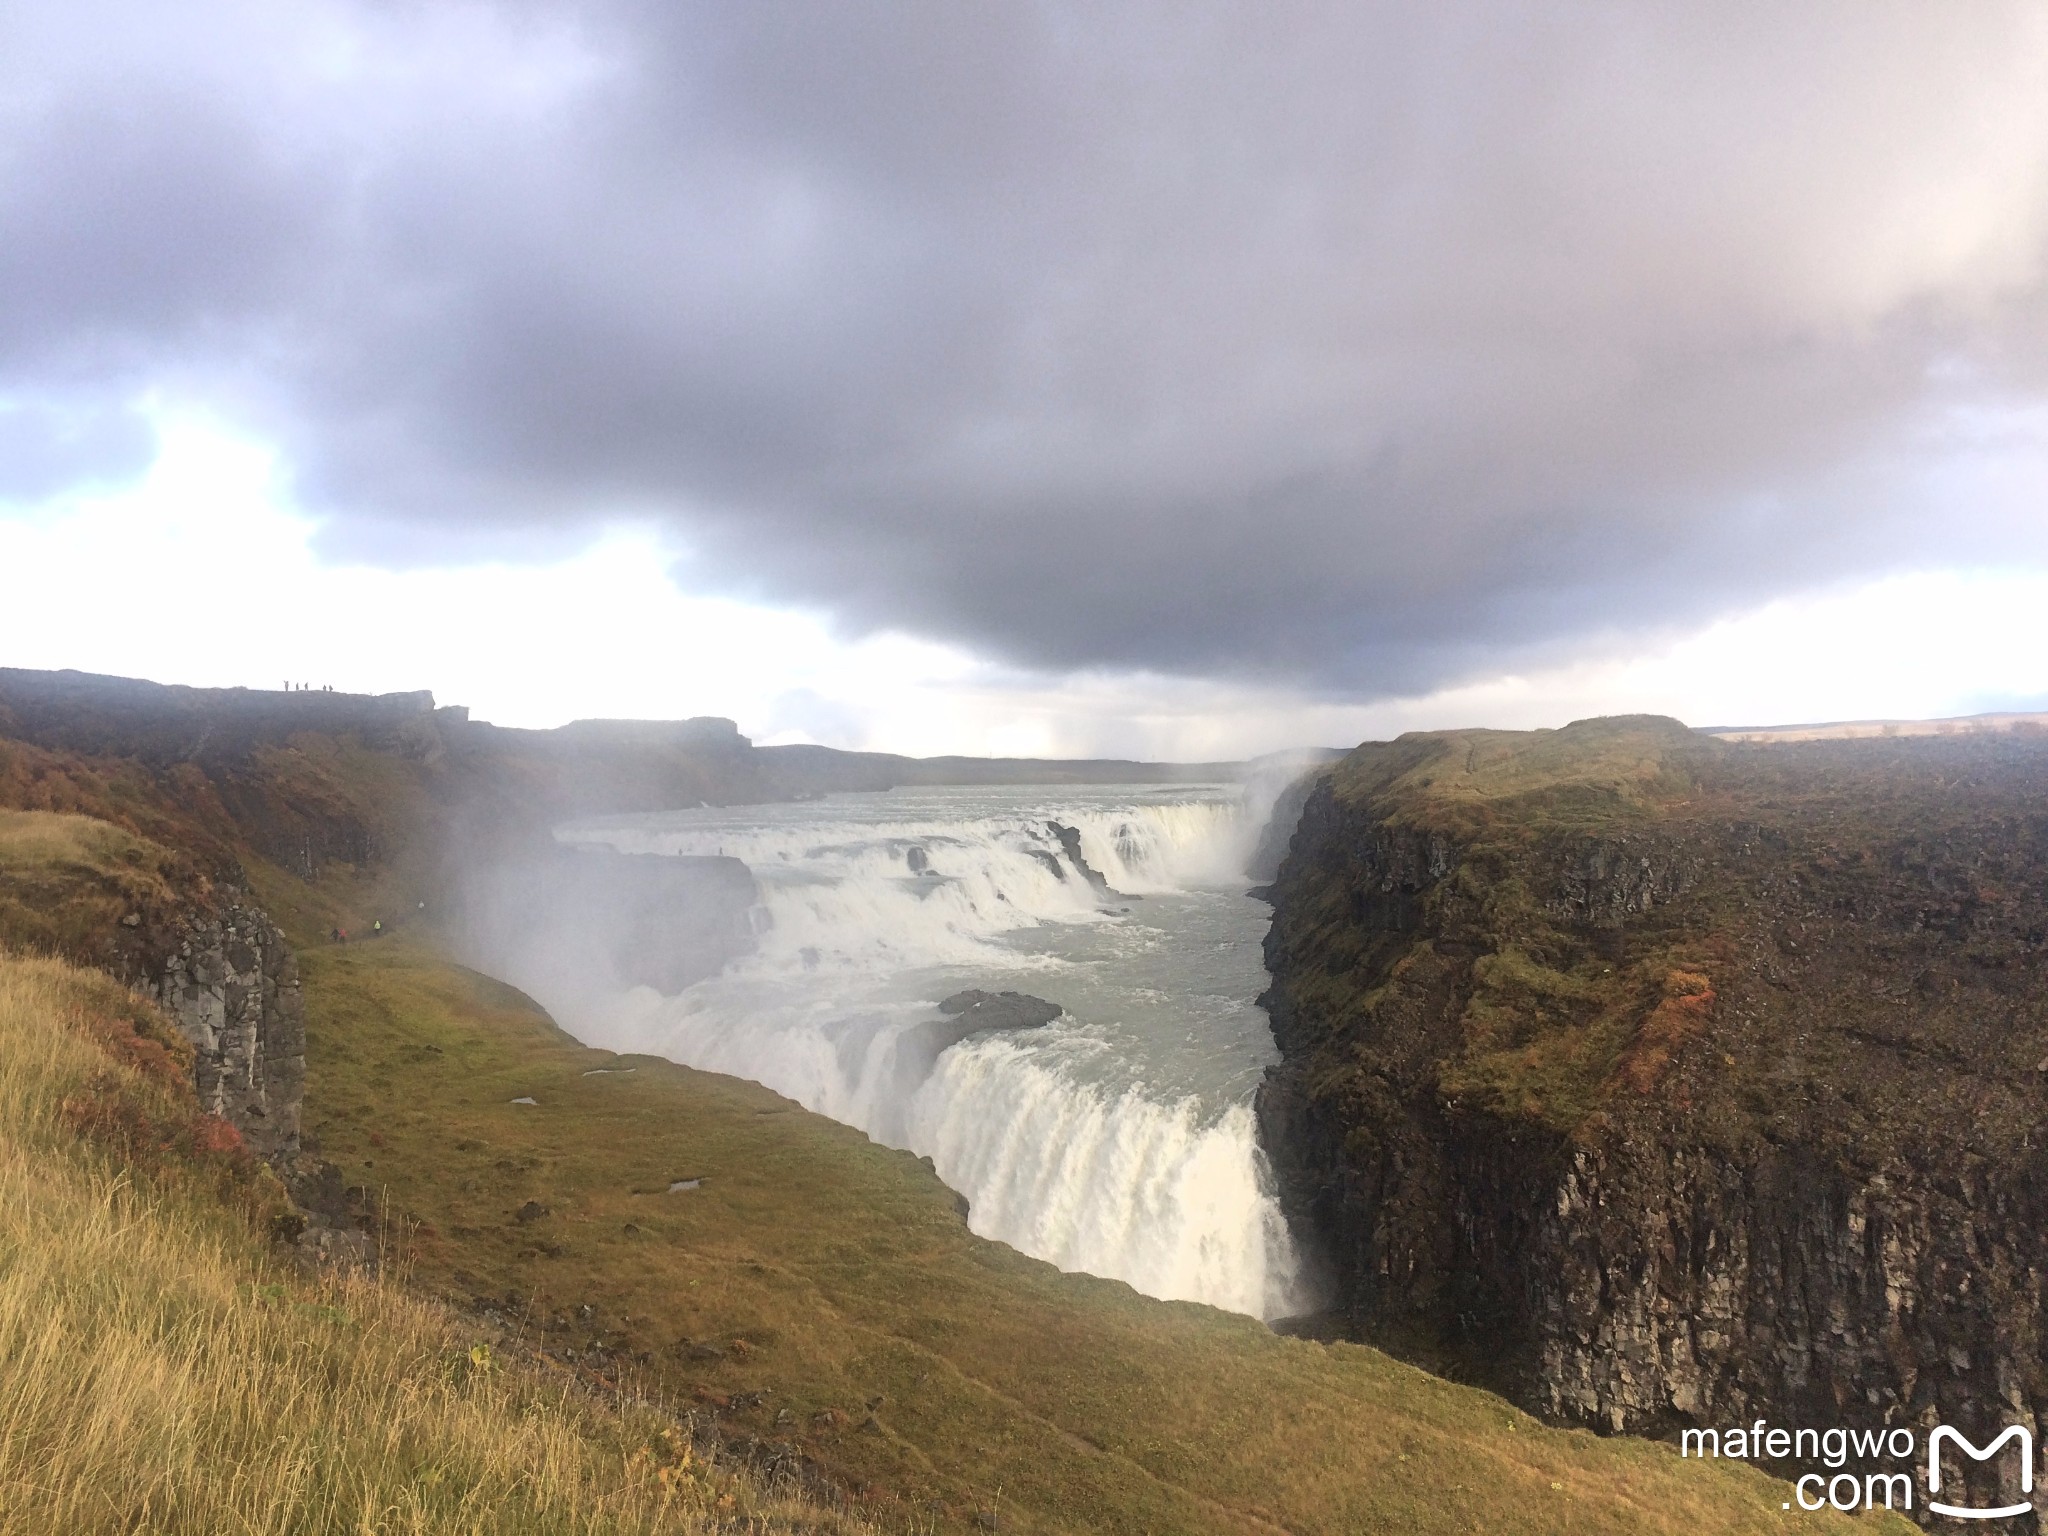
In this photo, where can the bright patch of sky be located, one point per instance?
(202, 573)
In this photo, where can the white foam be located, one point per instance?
(1059, 1154)
(1147, 1192)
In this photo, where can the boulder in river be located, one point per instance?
(977, 1010)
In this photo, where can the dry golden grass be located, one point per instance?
(159, 1372)
(67, 880)
(43, 839)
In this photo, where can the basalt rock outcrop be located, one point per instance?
(974, 1010)
(1278, 832)
(101, 895)
(1659, 1082)
(1069, 839)
(232, 987)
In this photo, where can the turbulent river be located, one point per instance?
(1118, 1140)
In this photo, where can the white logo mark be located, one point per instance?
(1961, 1512)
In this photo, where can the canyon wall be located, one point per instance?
(1658, 1082)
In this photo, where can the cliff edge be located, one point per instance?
(1660, 1081)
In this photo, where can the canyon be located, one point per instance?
(1645, 1079)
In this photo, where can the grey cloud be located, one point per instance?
(140, 224)
(1356, 346)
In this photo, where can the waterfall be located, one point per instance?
(1118, 1140)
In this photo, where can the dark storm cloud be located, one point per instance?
(1359, 346)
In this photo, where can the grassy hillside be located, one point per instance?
(67, 881)
(1552, 1020)
(161, 1372)
(327, 832)
(819, 1298)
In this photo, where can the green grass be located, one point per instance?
(934, 1373)
(162, 1370)
(1582, 776)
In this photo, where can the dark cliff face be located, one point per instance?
(1278, 833)
(1658, 1082)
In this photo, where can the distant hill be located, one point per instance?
(826, 769)
(1850, 730)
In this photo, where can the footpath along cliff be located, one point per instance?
(1656, 1081)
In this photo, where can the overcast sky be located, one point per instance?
(1166, 379)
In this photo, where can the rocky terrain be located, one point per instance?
(232, 986)
(155, 919)
(1658, 1081)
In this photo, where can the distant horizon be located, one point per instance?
(1785, 730)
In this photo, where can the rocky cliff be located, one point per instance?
(232, 985)
(1658, 1082)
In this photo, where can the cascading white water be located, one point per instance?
(1161, 1195)
(1118, 1140)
